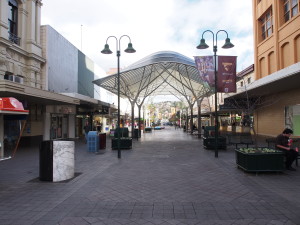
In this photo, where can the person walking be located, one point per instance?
(86, 130)
(283, 143)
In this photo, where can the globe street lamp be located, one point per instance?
(106, 50)
(203, 45)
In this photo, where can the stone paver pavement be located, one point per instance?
(167, 178)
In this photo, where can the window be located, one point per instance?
(266, 24)
(249, 80)
(291, 9)
(14, 78)
(12, 21)
(242, 83)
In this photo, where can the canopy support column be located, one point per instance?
(199, 118)
(191, 121)
(132, 119)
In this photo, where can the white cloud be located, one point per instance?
(155, 25)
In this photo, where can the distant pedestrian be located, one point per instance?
(86, 130)
(194, 127)
(283, 143)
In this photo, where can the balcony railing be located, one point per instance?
(14, 38)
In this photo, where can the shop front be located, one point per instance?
(12, 123)
(96, 117)
(59, 122)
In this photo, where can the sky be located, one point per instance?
(153, 26)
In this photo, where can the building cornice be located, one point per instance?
(21, 91)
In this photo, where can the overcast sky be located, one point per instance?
(153, 25)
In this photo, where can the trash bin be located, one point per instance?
(93, 141)
(57, 162)
(102, 141)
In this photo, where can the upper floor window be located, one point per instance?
(242, 83)
(266, 24)
(249, 80)
(13, 21)
(291, 8)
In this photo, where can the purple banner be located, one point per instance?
(226, 74)
(206, 68)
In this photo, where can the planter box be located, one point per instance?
(124, 132)
(148, 129)
(125, 143)
(209, 142)
(259, 161)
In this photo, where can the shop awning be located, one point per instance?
(11, 106)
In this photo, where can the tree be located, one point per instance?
(249, 104)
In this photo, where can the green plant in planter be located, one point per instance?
(257, 150)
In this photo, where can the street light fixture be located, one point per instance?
(227, 45)
(106, 50)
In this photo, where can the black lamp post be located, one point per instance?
(106, 50)
(203, 45)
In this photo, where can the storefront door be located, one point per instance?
(59, 126)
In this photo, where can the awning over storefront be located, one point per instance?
(11, 105)
(280, 81)
(34, 95)
(253, 95)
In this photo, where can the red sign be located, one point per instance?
(226, 74)
(11, 106)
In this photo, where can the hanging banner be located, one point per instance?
(226, 74)
(206, 68)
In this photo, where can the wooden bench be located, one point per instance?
(197, 134)
(240, 139)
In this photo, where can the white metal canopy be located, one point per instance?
(161, 73)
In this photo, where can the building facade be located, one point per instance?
(276, 35)
(70, 72)
(277, 65)
(56, 93)
(21, 76)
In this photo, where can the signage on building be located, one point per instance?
(64, 109)
(11, 106)
(104, 110)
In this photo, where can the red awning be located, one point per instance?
(11, 106)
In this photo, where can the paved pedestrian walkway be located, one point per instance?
(167, 178)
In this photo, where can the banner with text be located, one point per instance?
(226, 74)
(206, 68)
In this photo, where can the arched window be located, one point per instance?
(286, 57)
(297, 48)
(272, 63)
(13, 21)
(262, 67)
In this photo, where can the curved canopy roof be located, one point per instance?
(161, 73)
